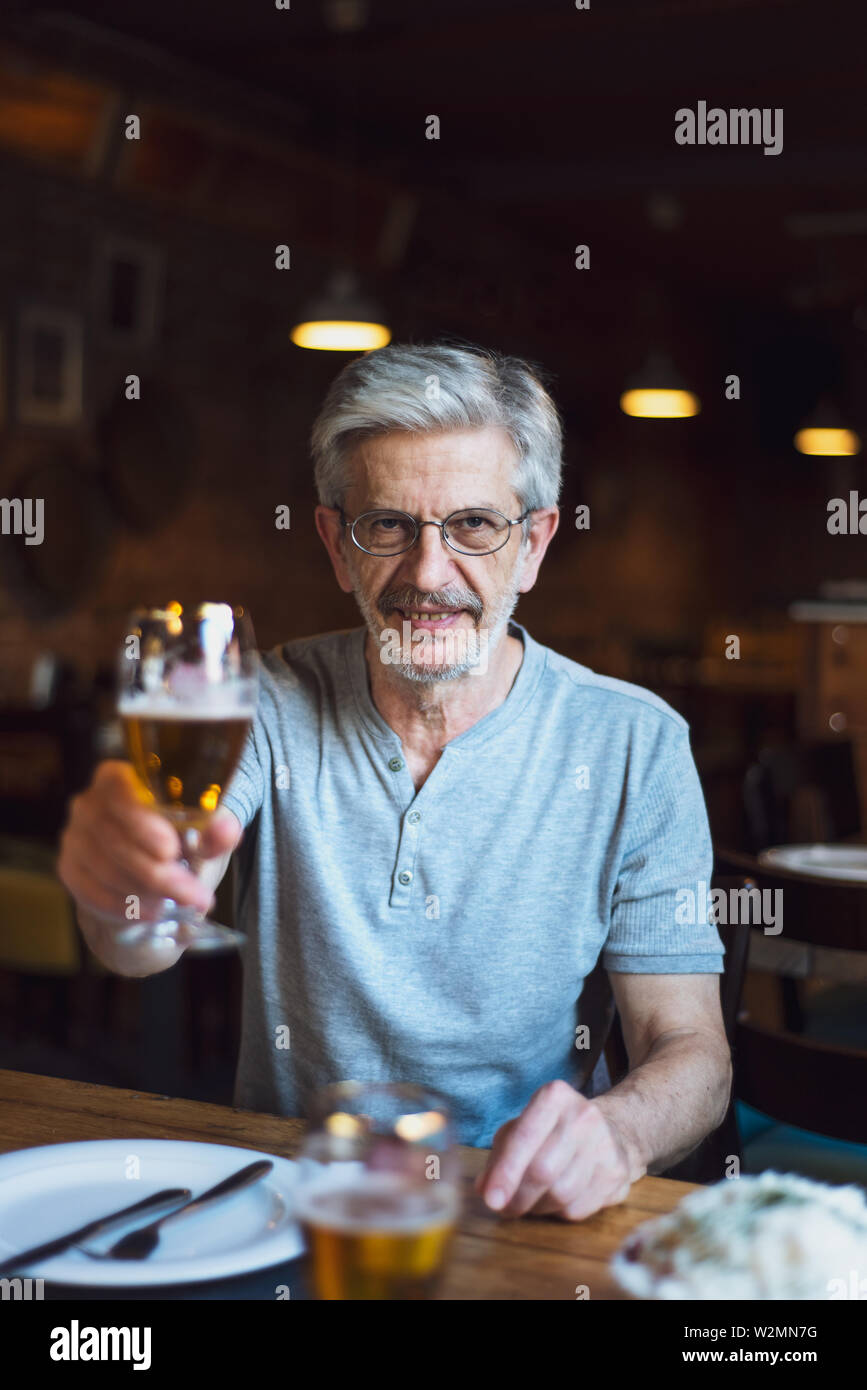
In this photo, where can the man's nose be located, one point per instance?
(429, 565)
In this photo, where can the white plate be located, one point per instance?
(827, 861)
(48, 1191)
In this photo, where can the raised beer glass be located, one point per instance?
(188, 684)
(379, 1191)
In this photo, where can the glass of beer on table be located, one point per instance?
(379, 1191)
(188, 685)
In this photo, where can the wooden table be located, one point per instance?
(492, 1258)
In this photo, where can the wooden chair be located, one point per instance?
(799, 1080)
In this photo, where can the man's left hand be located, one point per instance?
(562, 1156)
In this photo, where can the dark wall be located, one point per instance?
(694, 525)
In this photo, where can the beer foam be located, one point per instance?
(206, 706)
(354, 1202)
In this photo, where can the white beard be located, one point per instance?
(475, 646)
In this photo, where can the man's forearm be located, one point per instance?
(667, 1105)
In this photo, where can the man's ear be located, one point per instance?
(545, 523)
(333, 538)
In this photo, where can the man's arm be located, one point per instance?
(568, 1156)
(680, 1074)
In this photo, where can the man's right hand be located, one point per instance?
(115, 845)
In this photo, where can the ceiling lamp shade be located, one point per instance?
(341, 320)
(824, 433)
(826, 441)
(658, 392)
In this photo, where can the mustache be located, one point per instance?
(440, 600)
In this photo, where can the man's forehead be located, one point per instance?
(444, 456)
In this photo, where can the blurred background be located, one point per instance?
(309, 128)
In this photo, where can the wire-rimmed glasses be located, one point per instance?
(470, 531)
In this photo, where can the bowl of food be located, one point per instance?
(773, 1236)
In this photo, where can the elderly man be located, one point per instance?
(478, 839)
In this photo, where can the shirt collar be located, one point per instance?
(523, 687)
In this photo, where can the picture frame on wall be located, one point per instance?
(129, 283)
(49, 367)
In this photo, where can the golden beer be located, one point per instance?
(377, 1235)
(186, 759)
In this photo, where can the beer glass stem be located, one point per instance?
(187, 925)
(206, 935)
(191, 840)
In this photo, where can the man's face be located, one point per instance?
(429, 476)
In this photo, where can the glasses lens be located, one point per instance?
(477, 530)
(384, 533)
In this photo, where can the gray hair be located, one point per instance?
(438, 386)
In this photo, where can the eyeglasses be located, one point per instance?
(474, 531)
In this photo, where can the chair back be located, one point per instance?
(801, 1081)
(796, 1079)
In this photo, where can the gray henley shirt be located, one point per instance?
(459, 936)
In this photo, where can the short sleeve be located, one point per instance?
(660, 904)
(245, 791)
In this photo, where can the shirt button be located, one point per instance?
(414, 817)
(395, 764)
(404, 877)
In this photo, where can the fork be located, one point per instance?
(137, 1245)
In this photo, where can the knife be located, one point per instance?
(141, 1242)
(168, 1196)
